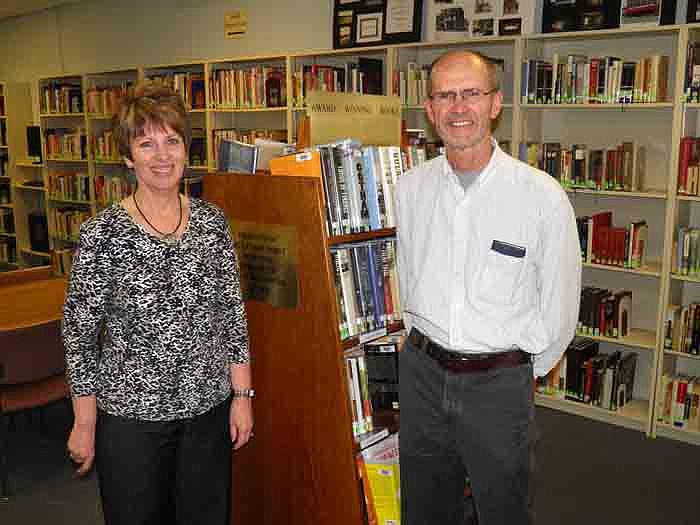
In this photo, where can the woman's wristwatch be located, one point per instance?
(244, 392)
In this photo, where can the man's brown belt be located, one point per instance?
(459, 362)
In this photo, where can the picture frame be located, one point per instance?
(362, 23)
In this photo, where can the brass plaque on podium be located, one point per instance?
(374, 120)
(268, 258)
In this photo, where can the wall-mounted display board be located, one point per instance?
(361, 23)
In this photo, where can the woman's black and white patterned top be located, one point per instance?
(173, 316)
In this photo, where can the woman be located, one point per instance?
(156, 335)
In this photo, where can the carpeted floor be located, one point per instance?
(589, 472)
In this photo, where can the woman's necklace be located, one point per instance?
(167, 237)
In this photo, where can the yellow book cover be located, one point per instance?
(383, 475)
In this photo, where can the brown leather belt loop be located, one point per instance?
(460, 363)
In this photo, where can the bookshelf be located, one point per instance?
(247, 99)
(681, 289)
(658, 125)
(24, 198)
(408, 78)
(310, 472)
(349, 70)
(652, 125)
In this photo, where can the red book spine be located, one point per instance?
(686, 152)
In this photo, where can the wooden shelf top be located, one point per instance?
(682, 354)
(65, 159)
(52, 115)
(608, 107)
(601, 34)
(359, 237)
(643, 339)
(69, 201)
(632, 416)
(686, 278)
(30, 187)
(248, 110)
(618, 194)
(28, 164)
(681, 434)
(651, 269)
(36, 253)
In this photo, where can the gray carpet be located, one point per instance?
(589, 472)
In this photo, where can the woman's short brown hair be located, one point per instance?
(145, 105)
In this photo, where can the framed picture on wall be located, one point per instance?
(360, 23)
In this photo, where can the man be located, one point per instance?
(489, 269)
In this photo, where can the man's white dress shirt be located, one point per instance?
(492, 268)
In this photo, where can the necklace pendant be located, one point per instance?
(169, 238)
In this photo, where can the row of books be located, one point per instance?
(379, 472)
(579, 79)
(686, 256)
(358, 389)
(682, 328)
(604, 313)
(62, 260)
(246, 136)
(602, 243)
(5, 195)
(366, 284)
(615, 168)
(415, 150)
(198, 147)
(60, 97)
(66, 143)
(8, 250)
(689, 166)
(73, 186)
(7, 223)
(253, 87)
(3, 132)
(364, 77)
(692, 73)
(65, 222)
(189, 85)
(412, 83)
(585, 375)
(105, 100)
(678, 403)
(4, 163)
(104, 146)
(112, 188)
(359, 185)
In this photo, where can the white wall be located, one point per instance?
(103, 35)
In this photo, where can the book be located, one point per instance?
(237, 157)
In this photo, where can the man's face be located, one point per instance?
(463, 123)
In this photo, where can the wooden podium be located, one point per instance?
(299, 469)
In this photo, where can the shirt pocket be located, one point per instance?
(501, 274)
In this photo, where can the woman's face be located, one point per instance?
(158, 158)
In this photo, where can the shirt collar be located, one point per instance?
(485, 173)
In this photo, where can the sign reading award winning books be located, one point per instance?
(268, 259)
(371, 119)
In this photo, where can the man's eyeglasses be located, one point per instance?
(444, 98)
